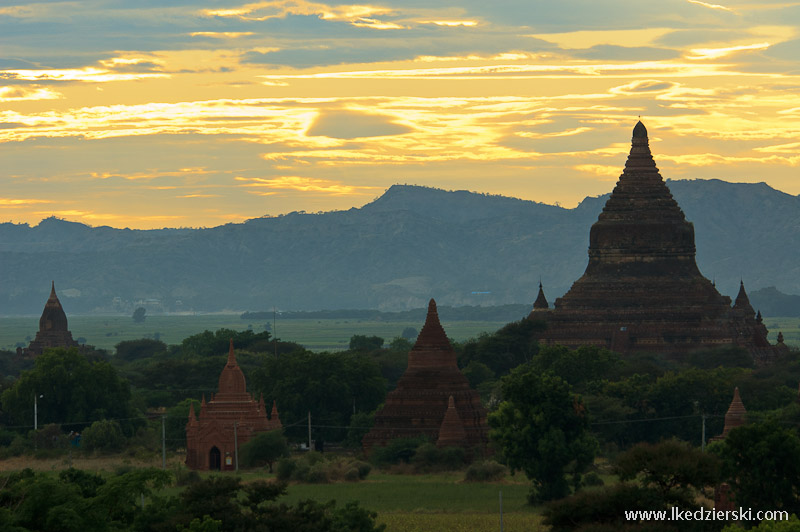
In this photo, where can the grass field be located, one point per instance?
(107, 331)
(329, 334)
(417, 503)
(405, 503)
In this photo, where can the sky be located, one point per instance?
(148, 114)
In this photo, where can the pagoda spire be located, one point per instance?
(274, 418)
(451, 433)
(734, 417)
(743, 302)
(231, 355)
(192, 417)
(541, 301)
(432, 347)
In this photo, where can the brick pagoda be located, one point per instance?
(210, 440)
(431, 383)
(53, 329)
(642, 290)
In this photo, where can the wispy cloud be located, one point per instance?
(307, 184)
(711, 6)
(16, 202)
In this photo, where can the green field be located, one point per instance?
(107, 331)
(412, 503)
(327, 334)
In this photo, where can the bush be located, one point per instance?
(50, 437)
(264, 449)
(592, 479)
(185, 477)
(486, 471)
(313, 468)
(285, 469)
(429, 458)
(104, 436)
(396, 451)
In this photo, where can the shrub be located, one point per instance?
(185, 477)
(264, 449)
(50, 437)
(285, 469)
(104, 436)
(321, 471)
(396, 451)
(428, 458)
(592, 479)
(486, 471)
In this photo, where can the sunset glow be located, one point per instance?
(204, 113)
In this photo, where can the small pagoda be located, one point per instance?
(432, 398)
(53, 328)
(231, 417)
(642, 290)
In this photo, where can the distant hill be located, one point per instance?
(393, 254)
(771, 302)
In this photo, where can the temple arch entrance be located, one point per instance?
(214, 459)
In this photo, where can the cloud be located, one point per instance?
(279, 9)
(306, 184)
(644, 86)
(15, 202)
(351, 125)
(609, 52)
(711, 6)
(9, 94)
(716, 53)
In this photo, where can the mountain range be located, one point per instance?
(408, 245)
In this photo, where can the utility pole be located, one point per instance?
(236, 446)
(163, 442)
(275, 331)
(703, 441)
(35, 413)
(309, 430)
(501, 510)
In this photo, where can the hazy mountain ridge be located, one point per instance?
(408, 245)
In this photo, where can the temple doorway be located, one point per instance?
(214, 459)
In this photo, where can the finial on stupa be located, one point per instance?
(231, 355)
(639, 131)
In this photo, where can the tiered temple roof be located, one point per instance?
(210, 440)
(430, 384)
(642, 290)
(53, 328)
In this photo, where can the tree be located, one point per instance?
(542, 429)
(673, 468)
(409, 333)
(74, 392)
(137, 349)
(761, 462)
(264, 448)
(105, 435)
(329, 385)
(139, 315)
(360, 342)
(506, 349)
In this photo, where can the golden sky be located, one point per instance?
(131, 114)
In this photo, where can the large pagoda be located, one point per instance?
(53, 328)
(642, 290)
(432, 398)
